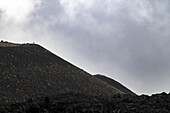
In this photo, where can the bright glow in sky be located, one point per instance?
(18, 9)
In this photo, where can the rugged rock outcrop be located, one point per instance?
(79, 103)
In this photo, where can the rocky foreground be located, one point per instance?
(78, 103)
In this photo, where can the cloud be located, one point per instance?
(15, 17)
(127, 38)
(128, 41)
(18, 9)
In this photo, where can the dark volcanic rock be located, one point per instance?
(79, 103)
(30, 71)
(114, 84)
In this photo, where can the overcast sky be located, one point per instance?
(128, 40)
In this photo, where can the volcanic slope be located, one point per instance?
(115, 84)
(30, 71)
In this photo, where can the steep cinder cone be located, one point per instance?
(29, 71)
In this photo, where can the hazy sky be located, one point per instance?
(128, 40)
